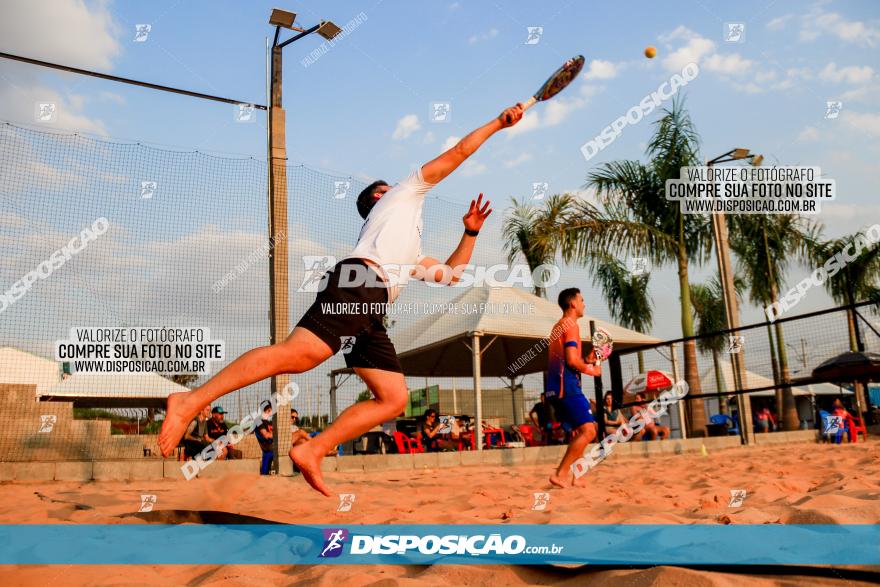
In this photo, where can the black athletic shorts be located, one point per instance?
(353, 315)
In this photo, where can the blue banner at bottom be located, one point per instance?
(441, 544)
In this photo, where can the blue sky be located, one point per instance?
(767, 93)
(362, 108)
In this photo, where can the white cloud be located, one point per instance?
(751, 88)
(798, 73)
(558, 109)
(600, 69)
(841, 218)
(554, 111)
(450, 142)
(429, 138)
(865, 93)
(111, 97)
(808, 135)
(405, 127)
(588, 91)
(518, 160)
(851, 74)
(530, 121)
(686, 46)
(479, 38)
(470, 168)
(29, 168)
(818, 22)
(69, 32)
(731, 64)
(865, 122)
(18, 103)
(763, 77)
(779, 22)
(693, 51)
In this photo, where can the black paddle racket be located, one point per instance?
(556, 82)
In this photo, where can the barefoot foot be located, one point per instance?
(177, 418)
(559, 481)
(309, 466)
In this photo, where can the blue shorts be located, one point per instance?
(573, 409)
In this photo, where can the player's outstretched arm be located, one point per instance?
(447, 273)
(436, 171)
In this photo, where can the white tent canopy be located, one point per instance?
(21, 367)
(499, 332)
(510, 322)
(117, 389)
(754, 380)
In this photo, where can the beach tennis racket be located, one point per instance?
(556, 82)
(602, 344)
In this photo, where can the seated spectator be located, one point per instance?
(613, 418)
(652, 430)
(216, 428)
(195, 439)
(429, 433)
(839, 411)
(541, 420)
(765, 422)
(558, 433)
(297, 434)
(463, 432)
(265, 438)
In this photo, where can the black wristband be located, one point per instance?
(470, 232)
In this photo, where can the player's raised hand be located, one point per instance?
(511, 116)
(477, 214)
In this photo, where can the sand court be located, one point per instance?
(784, 484)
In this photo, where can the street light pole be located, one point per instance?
(731, 307)
(279, 321)
(279, 303)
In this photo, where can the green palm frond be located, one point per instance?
(625, 294)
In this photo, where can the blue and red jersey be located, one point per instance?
(561, 378)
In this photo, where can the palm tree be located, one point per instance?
(637, 220)
(708, 302)
(626, 295)
(530, 231)
(856, 281)
(763, 245)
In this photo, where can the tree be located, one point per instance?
(764, 245)
(637, 220)
(627, 296)
(532, 232)
(708, 304)
(854, 282)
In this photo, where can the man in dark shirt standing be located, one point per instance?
(216, 428)
(265, 436)
(541, 418)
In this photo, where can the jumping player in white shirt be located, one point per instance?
(390, 239)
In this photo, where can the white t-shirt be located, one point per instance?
(392, 234)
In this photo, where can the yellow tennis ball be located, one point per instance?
(650, 52)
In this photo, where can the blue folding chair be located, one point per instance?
(731, 424)
(830, 428)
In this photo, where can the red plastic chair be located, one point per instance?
(488, 433)
(405, 444)
(528, 435)
(856, 425)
